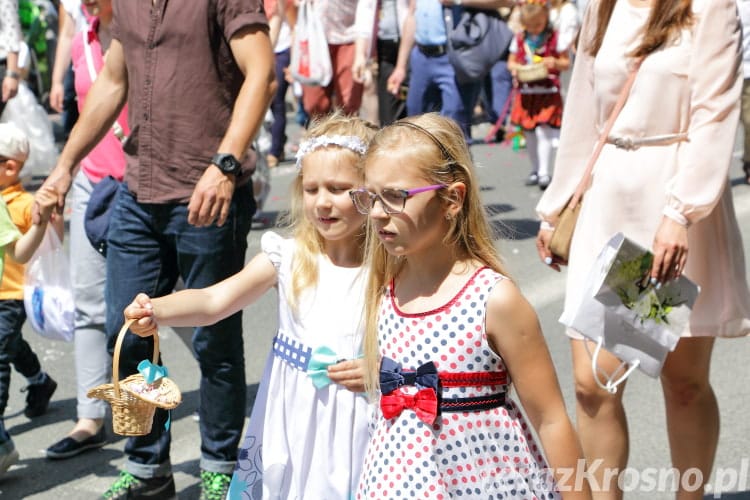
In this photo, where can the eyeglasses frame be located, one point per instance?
(407, 193)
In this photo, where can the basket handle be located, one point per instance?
(116, 355)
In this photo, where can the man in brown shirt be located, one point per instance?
(197, 76)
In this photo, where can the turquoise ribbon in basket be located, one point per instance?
(151, 373)
(317, 369)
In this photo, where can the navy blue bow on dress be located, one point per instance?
(392, 376)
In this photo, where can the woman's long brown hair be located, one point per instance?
(666, 20)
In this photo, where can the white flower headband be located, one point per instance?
(351, 142)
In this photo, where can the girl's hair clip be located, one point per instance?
(351, 142)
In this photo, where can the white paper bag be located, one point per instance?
(622, 312)
(311, 59)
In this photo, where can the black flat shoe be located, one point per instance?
(69, 447)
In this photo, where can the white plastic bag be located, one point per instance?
(27, 114)
(621, 312)
(48, 292)
(311, 60)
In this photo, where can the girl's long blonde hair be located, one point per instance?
(664, 23)
(436, 147)
(309, 242)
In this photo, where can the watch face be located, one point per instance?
(227, 163)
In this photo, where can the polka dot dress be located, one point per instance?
(487, 454)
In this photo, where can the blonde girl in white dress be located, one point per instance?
(665, 185)
(309, 427)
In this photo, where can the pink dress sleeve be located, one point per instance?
(715, 82)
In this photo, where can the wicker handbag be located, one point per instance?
(133, 399)
(562, 236)
(532, 72)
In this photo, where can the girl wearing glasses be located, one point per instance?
(447, 333)
(309, 401)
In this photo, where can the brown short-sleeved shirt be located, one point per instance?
(182, 84)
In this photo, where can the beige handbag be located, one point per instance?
(562, 235)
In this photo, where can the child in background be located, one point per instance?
(15, 218)
(447, 333)
(307, 436)
(537, 108)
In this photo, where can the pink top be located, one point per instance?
(107, 157)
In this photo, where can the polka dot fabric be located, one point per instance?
(487, 454)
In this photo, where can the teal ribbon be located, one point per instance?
(317, 369)
(151, 373)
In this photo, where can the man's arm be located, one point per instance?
(251, 48)
(104, 102)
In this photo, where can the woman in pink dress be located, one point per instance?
(92, 361)
(662, 180)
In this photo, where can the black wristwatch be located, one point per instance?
(227, 163)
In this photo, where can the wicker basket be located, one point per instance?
(532, 72)
(133, 413)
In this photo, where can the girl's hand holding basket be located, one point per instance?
(142, 312)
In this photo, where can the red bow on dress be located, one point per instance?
(424, 403)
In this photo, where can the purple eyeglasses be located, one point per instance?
(393, 201)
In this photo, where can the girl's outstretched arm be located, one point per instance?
(204, 306)
(514, 332)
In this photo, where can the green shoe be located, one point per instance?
(214, 485)
(129, 487)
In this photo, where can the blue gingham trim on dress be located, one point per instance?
(295, 353)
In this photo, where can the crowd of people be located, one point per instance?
(386, 231)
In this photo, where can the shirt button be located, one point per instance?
(151, 45)
(145, 116)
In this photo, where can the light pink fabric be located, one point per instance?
(107, 157)
(690, 86)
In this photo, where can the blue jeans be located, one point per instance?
(278, 106)
(432, 87)
(149, 247)
(498, 85)
(13, 348)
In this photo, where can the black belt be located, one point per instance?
(477, 403)
(433, 50)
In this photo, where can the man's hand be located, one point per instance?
(46, 199)
(59, 180)
(10, 88)
(395, 80)
(211, 198)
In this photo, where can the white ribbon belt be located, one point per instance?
(631, 143)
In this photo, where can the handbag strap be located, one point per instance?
(586, 179)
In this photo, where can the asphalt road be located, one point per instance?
(510, 204)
